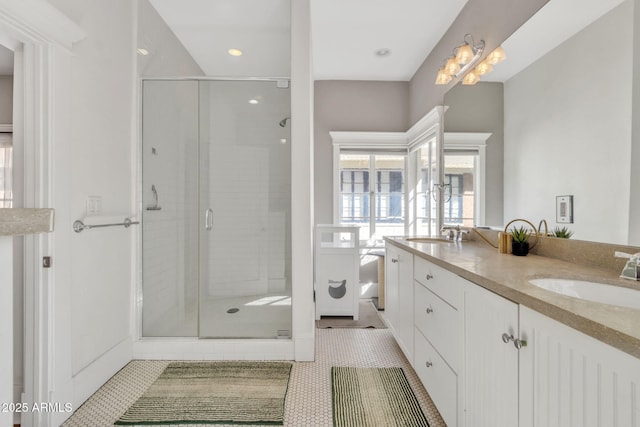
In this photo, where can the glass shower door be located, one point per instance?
(169, 208)
(244, 214)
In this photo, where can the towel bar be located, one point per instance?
(78, 225)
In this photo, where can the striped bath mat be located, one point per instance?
(214, 393)
(369, 397)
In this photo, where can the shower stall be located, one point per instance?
(216, 203)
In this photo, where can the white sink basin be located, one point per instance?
(591, 291)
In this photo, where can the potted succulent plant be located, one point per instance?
(520, 241)
(562, 233)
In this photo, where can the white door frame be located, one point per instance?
(36, 31)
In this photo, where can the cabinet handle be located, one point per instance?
(428, 364)
(429, 310)
(394, 260)
(517, 342)
(429, 276)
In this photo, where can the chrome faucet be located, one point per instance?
(631, 269)
(453, 232)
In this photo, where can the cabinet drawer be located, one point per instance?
(443, 283)
(438, 378)
(440, 323)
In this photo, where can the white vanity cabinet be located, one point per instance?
(569, 379)
(487, 361)
(491, 360)
(399, 297)
(438, 336)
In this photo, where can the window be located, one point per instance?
(426, 200)
(464, 172)
(6, 171)
(372, 193)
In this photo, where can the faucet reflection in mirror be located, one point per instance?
(440, 189)
(464, 57)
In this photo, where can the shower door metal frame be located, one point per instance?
(139, 297)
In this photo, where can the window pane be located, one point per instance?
(354, 192)
(460, 176)
(389, 201)
(426, 206)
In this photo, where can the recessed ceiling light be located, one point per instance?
(235, 52)
(382, 52)
(253, 101)
(143, 51)
(283, 140)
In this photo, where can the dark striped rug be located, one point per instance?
(225, 392)
(370, 397)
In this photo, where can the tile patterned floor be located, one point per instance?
(308, 401)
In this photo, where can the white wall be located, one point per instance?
(6, 326)
(93, 149)
(568, 131)
(634, 209)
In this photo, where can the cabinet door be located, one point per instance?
(568, 379)
(491, 365)
(391, 308)
(405, 299)
(399, 297)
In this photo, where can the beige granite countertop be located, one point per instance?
(22, 221)
(508, 275)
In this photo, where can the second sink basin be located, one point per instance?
(591, 291)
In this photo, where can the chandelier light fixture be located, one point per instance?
(464, 58)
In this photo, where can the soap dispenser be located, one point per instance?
(631, 269)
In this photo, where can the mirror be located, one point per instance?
(560, 120)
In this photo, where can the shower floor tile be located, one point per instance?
(308, 401)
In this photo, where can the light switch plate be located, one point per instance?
(94, 205)
(564, 209)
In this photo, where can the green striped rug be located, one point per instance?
(214, 393)
(369, 397)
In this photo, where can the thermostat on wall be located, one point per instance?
(564, 209)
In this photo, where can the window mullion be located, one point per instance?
(373, 183)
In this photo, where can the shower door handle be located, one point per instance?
(208, 219)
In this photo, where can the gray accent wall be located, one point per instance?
(167, 56)
(351, 106)
(6, 99)
(479, 108)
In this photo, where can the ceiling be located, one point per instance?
(347, 33)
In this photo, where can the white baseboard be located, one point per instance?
(92, 377)
(212, 349)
